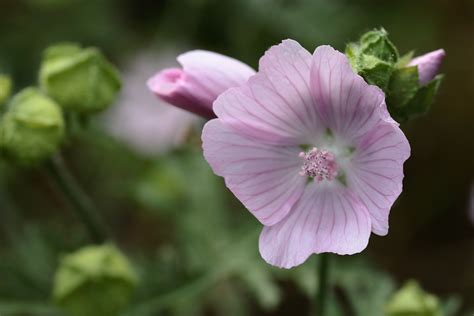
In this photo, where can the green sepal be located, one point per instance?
(79, 79)
(420, 103)
(375, 71)
(404, 60)
(402, 87)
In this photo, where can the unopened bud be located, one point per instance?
(32, 127)
(79, 79)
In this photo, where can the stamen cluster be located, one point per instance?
(319, 164)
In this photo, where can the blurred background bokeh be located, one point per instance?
(193, 245)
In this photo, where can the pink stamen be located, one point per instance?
(319, 164)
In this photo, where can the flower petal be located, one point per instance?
(326, 219)
(377, 172)
(205, 75)
(264, 178)
(345, 102)
(428, 65)
(276, 104)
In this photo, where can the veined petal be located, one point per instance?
(428, 65)
(345, 102)
(276, 104)
(205, 75)
(263, 177)
(376, 172)
(325, 219)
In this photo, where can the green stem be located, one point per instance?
(323, 284)
(77, 199)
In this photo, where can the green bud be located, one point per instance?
(94, 281)
(373, 57)
(79, 79)
(376, 59)
(5, 88)
(377, 44)
(32, 127)
(412, 300)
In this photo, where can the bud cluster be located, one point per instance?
(410, 85)
(73, 82)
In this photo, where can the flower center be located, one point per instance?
(319, 164)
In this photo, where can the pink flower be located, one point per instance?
(310, 149)
(428, 65)
(204, 76)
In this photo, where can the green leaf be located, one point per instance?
(402, 87)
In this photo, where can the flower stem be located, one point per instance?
(80, 203)
(323, 284)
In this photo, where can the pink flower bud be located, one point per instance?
(203, 77)
(428, 65)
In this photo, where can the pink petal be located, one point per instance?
(345, 102)
(276, 104)
(205, 75)
(376, 173)
(428, 65)
(263, 177)
(325, 219)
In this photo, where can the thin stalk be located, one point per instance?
(79, 202)
(323, 284)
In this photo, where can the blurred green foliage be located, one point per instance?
(192, 245)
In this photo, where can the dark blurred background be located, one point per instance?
(150, 187)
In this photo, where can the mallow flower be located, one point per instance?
(428, 65)
(203, 77)
(311, 150)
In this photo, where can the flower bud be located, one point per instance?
(32, 127)
(79, 79)
(373, 57)
(412, 300)
(410, 86)
(5, 88)
(204, 76)
(428, 65)
(94, 281)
